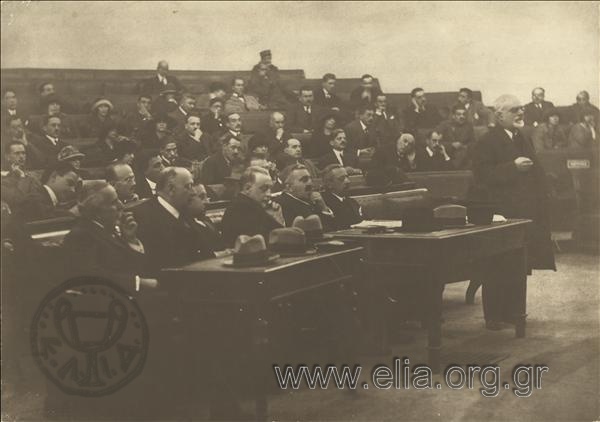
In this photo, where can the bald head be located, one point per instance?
(277, 120)
(162, 67)
(176, 186)
(538, 94)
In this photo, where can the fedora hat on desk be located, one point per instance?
(418, 219)
(451, 215)
(312, 227)
(251, 251)
(290, 241)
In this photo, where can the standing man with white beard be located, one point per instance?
(507, 173)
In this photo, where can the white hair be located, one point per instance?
(506, 102)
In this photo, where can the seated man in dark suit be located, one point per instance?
(346, 210)
(9, 107)
(419, 114)
(168, 152)
(341, 154)
(257, 160)
(121, 177)
(218, 166)
(385, 121)
(50, 144)
(434, 156)
(193, 143)
(361, 133)
(388, 163)
(213, 121)
(582, 105)
(68, 130)
(54, 198)
(149, 166)
(300, 199)
(292, 154)
(458, 136)
(276, 135)
(325, 97)
(169, 240)
(94, 247)
(17, 184)
(239, 101)
(16, 132)
(252, 212)
(157, 83)
(187, 104)
(303, 116)
(477, 113)
(137, 121)
(534, 111)
(366, 93)
(210, 243)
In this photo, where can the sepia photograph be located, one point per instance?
(300, 211)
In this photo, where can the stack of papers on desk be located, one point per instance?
(388, 224)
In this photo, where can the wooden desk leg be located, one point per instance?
(520, 292)
(434, 321)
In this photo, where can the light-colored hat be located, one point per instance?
(289, 241)
(69, 152)
(311, 225)
(251, 251)
(102, 101)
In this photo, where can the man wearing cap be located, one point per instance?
(300, 199)
(193, 143)
(266, 60)
(238, 101)
(252, 211)
(346, 211)
(157, 83)
(219, 165)
(50, 144)
(507, 173)
(534, 111)
(266, 90)
(99, 119)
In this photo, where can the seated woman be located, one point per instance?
(100, 119)
(549, 135)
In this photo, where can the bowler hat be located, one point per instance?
(251, 251)
(312, 227)
(289, 241)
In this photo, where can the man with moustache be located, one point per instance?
(49, 144)
(193, 143)
(300, 199)
(121, 177)
(17, 184)
(535, 110)
(507, 173)
(292, 154)
(457, 136)
(346, 211)
(251, 212)
(341, 154)
(219, 165)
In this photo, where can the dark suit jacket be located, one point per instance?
(534, 115)
(385, 167)
(215, 169)
(349, 159)
(345, 212)
(331, 102)
(211, 125)
(92, 250)
(427, 119)
(142, 188)
(358, 139)
(168, 241)
(387, 125)
(517, 194)
(38, 205)
(293, 207)
(275, 145)
(152, 86)
(208, 237)
(298, 120)
(47, 152)
(189, 148)
(356, 99)
(246, 216)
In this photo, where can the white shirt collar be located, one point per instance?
(152, 185)
(326, 93)
(429, 151)
(337, 196)
(364, 127)
(168, 207)
(53, 197)
(298, 199)
(183, 111)
(338, 154)
(53, 140)
(509, 133)
(12, 112)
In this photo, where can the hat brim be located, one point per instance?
(78, 156)
(270, 259)
(103, 102)
(308, 251)
(330, 245)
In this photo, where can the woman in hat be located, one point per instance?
(99, 119)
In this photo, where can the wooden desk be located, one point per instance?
(447, 256)
(260, 298)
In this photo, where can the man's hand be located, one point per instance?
(17, 170)
(523, 163)
(128, 227)
(317, 199)
(369, 150)
(197, 134)
(279, 133)
(275, 211)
